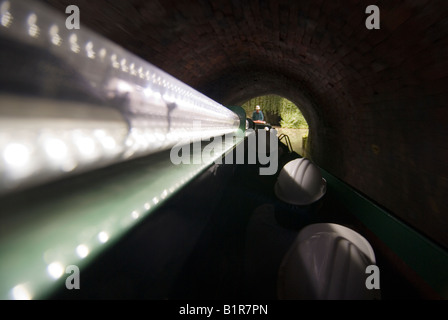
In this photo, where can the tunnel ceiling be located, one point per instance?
(375, 100)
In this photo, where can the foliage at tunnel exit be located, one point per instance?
(277, 110)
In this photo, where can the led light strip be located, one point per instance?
(74, 229)
(142, 109)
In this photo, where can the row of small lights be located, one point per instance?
(17, 154)
(65, 151)
(34, 31)
(138, 140)
(55, 269)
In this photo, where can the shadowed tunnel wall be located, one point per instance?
(375, 100)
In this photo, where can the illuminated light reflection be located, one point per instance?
(82, 251)
(55, 37)
(135, 214)
(148, 91)
(172, 136)
(160, 136)
(147, 206)
(55, 270)
(16, 155)
(114, 61)
(128, 154)
(157, 96)
(74, 43)
(132, 70)
(20, 292)
(169, 98)
(89, 50)
(109, 143)
(100, 133)
(155, 200)
(150, 137)
(124, 67)
(56, 149)
(58, 152)
(123, 87)
(86, 145)
(103, 237)
(68, 165)
(102, 53)
(33, 29)
(129, 141)
(5, 16)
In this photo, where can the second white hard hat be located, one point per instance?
(327, 261)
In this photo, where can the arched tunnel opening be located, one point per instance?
(374, 99)
(284, 116)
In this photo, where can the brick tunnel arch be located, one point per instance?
(375, 100)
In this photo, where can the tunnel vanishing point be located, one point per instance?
(376, 101)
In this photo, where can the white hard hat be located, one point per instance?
(257, 107)
(327, 261)
(300, 182)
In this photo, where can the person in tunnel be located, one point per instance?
(257, 115)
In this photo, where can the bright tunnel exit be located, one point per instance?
(285, 116)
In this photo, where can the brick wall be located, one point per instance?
(376, 100)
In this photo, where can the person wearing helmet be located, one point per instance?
(258, 115)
